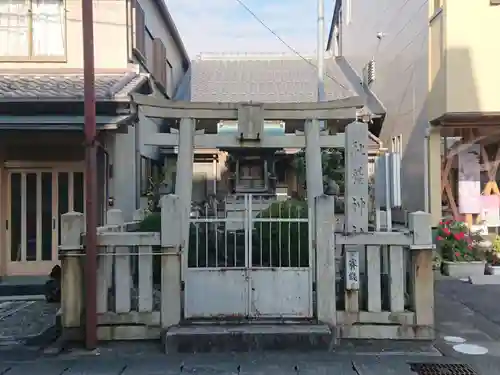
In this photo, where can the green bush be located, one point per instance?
(151, 223)
(274, 244)
(281, 243)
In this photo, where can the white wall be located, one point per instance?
(123, 185)
(147, 126)
(401, 57)
(126, 148)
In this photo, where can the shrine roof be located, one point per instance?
(270, 79)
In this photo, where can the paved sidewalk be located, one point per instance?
(227, 364)
(469, 312)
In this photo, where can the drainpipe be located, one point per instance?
(90, 176)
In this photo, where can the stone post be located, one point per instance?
(184, 179)
(171, 264)
(71, 251)
(422, 275)
(325, 260)
(356, 207)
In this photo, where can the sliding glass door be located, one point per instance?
(37, 198)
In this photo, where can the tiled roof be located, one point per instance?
(261, 79)
(66, 86)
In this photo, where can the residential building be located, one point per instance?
(137, 49)
(435, 75)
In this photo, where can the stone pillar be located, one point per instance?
(71, 251)
(422, 274)
(314, 170)
(325, 260)
(356, 207)
(171, 263)
(184, 179)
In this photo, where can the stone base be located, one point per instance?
(485, 280)
(247, 337)
(463, 269)
(493, 270)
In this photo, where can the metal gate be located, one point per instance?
(249, 257)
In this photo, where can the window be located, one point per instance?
(150, 173)
(136, 35)
(146, 172)
(160, 63)
(397, 144)
(32, 29)
(348, 12)
(149, 47)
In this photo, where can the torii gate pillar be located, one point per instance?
(314, 169)
(184, 177)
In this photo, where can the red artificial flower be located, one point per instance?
(469, 247)
(446, 231)
(439, 238)
(441, 223)
(457, 254)
(459, 236)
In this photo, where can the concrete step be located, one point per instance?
(22, 285)
(247, 337)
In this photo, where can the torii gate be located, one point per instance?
(250, 117)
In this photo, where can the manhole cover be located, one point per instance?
(442, 369)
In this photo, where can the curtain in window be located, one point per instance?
(14, 28)
(48, 28)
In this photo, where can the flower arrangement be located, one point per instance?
(455, 242)
(493, 256)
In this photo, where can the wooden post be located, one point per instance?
(325, 260)
(171, 264)
(422, 275)
(184, 179)
(356, 206)
(72, 227)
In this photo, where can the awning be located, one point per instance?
(61, 122)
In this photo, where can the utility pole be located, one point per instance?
(90, 175)
(321, 51)
(314, 169)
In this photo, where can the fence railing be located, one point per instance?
(384, 284)
(132, 266)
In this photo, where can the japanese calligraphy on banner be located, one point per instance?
(469, 180)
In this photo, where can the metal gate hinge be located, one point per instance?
(183, 284)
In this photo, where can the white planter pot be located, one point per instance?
(463, 269)
(492, 270)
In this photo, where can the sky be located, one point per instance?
(224, 26)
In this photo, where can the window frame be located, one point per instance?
(170, 89)
(34, 58)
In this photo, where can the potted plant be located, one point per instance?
(493, 258)
(460, 258)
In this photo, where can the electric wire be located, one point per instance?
(308, 61)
